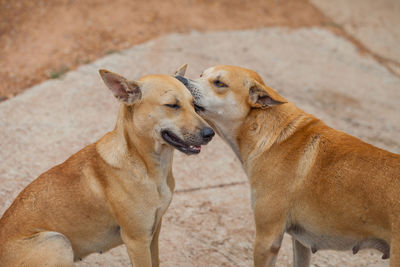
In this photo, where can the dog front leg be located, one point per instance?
(269, 235)
(266, 248)
(154, 246)
(138, 250)
(301, 254)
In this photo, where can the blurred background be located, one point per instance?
(339, 60)
(44, 39)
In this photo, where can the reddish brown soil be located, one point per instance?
(43, 39)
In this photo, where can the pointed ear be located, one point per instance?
(261, 96)
(128, 92)
(181, 70)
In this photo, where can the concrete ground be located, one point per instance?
(209, 222)
(374, 23)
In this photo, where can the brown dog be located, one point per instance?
(113, 191)
(327, 189)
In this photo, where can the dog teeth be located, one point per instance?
(198, 148)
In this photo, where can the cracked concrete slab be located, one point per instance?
(375, 23)
(208, 223)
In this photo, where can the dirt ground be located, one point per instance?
(44, 39)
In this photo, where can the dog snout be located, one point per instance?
(207, 133)
(182, 80)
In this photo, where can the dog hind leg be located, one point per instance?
(394, 248)
(139, 250)
(45, 249)
(301, 254)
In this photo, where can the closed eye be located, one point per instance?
(198, 108)
(218, 83)
(174, 106)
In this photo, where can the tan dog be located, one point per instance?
(113, 191)
(327, 189)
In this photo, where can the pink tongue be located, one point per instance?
(197, 148)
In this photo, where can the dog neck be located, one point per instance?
(227, 134)
(123, 148)
(264, 128)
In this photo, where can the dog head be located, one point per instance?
(224, 95)
(161, 108)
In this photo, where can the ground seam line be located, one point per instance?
(209, 187)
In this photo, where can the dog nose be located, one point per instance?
(207, 133)
(182, 80)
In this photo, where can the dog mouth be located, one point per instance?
(198, 108)
(179, 144)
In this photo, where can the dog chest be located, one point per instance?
(165, 196)
(101, 241)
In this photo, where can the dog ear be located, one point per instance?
(261, 96)
(128, 92)
(181, 70)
